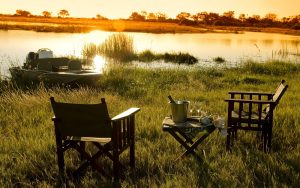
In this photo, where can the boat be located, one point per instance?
(41, 66)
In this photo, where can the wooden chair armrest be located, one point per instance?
(250, 93)
(249, 101)
(125, 114)
(55, 119)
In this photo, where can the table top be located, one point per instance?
(192, 122)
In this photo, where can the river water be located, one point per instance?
(234, 48)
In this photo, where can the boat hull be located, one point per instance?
(69, 77)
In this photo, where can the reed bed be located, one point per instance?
(27, 149)
(179, 58)
(120, 47)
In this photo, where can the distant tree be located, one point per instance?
(211, 18)
(136, 17)
(270, 20)
(151, 16)
(229, 14)
(63, 13)
(46, 14)
(285, 19)
(201, 17)
(227, 19)
(253, 20)
(23, 13)
(100, 17)
(294, 20)
(271, 16)
(242, 17)
(144, 13)
(183, 16)
(256, 17)
(161, 16)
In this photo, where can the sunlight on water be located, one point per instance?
(99, 63)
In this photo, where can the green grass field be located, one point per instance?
(27, 147)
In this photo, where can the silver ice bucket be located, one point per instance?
(179, 110)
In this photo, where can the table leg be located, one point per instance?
(173, 133)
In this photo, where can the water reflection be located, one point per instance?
(99, 63)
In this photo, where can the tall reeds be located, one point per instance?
(120, 47)
(117, 46)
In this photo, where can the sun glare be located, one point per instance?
(99, 63)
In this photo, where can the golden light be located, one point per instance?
(99, 63)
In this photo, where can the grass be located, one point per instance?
(27, 149)
(120, 47)
(219, 59)
(179, 58)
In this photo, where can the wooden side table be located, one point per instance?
(187, 133)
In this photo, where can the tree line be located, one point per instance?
(47, 14)
(202, 18)
(226, 19)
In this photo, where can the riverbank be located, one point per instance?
(82, 25)
(28, 155)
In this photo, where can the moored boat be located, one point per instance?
(43, 67)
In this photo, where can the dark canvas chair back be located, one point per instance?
(82, 120)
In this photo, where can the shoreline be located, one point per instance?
(85, 25)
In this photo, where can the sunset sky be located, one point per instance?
(123, 8)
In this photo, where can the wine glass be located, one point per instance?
(219, 121)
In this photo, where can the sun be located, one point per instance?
(99, 63)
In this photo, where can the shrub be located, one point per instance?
(118, 46)
(219, 59)
(180, 58)
(147, 56)
(296, 26)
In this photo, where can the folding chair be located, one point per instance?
(76, 124)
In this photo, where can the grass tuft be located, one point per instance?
(118, 46)
(219, 59)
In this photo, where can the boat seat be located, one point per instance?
(75, 65)
(59, 62)
(46, 66)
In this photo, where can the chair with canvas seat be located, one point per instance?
(253, 111)
(77, 124)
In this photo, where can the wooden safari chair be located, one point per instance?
(76, 124)
(253, 111)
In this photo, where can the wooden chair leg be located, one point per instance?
(235, 132)
(60, 155)
(269, 137)
(116, 168)
(132, 155)
(229, 132)
(265, 140)
(60, 160)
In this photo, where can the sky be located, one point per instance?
(114, 9)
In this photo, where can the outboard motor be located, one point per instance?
(31, 57)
